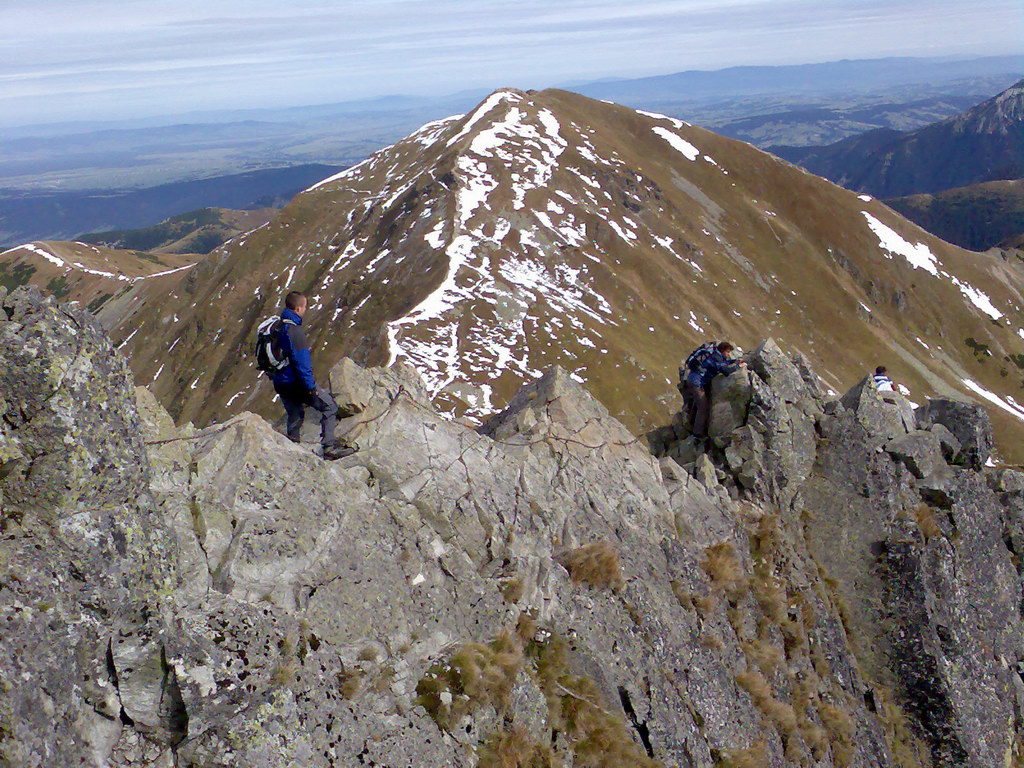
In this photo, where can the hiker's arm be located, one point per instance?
(723, 366)
(301, 358)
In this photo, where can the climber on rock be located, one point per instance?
(703, 365)
(882, 381)
(296, 385)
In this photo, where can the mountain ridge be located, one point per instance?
(984, 143)
(549, 229)
(542, 591)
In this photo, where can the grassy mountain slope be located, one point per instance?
(975, 217)
(548, 228)
(197, 231)
(100, 278)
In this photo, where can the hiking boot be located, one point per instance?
(337, 451)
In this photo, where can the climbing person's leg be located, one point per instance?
(323, 402)
(295, 411)
(703, 411)
(691, 398)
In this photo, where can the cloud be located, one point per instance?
(189, 54)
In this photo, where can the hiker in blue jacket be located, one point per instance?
(697, 386)
(296, 385)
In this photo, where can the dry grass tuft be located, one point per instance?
(512, 590)
(514, 748)
(283, 674)
(350, 682)
(526, 627)
(711, 642)
(736, 621)
(768, 535)
(597, 733)
(601, 737)
(383, 680)
(816, 737)
(684, 598)
(723, 567)
(907, 750)
(779, 712)
(755, 756)
(477, 674)
(927, 522)
(841, 731)
(764, 655)
(705, 604)
(770, 596)
(596, 564)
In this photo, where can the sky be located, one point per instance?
(65, 60)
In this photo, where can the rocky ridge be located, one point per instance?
(544, 229)
(832, 583)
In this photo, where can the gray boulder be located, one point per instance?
(968, 422)
(950, 445)
(919, 450)
(1010, 481)
(778, 371)
(83, 549)
(884, 415)
(730, 399)
(352, 387)
(810, 378)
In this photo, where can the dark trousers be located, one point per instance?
(295, 401)
(698, 408)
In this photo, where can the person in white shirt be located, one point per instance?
(882, 381)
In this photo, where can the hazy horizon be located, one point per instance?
(74, 60)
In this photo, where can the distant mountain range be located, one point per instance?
(66, 215)
(58, 181)
(837, 78)
(960, 178)
(984, 143)
(547, 228)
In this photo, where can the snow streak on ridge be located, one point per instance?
(512, 154)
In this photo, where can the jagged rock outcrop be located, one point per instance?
(968, 425)
(540, 590)
(82, 558)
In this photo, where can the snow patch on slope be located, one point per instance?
(1012, 408)
(428, 134)
(978, 298)
(917, 254)
(675, 121)
(678, 143)
(490, 103)
(39, 251)
(77, 265)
